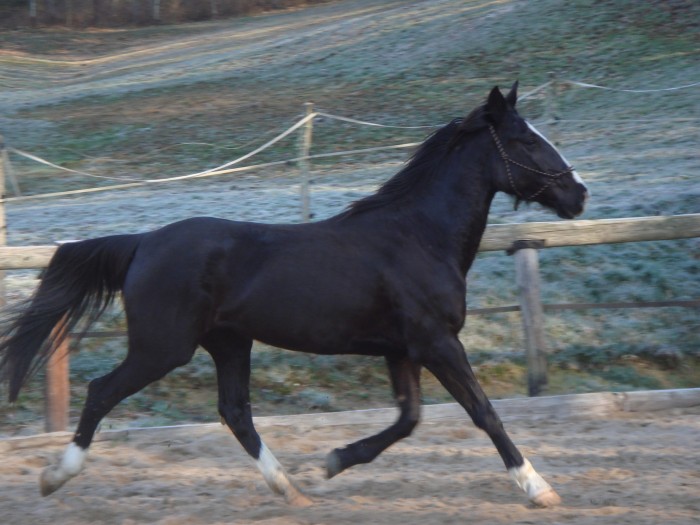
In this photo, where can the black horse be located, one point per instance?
(385, 277)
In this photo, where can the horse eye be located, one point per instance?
(530, 139)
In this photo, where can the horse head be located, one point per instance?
(527, 165)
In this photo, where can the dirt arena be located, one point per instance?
(622, 468)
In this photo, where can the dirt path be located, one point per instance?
(622, 470)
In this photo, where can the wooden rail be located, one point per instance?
(601, 231)
(497, 236)
(523, 240)
(596, 405)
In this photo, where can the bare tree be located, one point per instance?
(69, 13)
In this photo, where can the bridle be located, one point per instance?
(508, 161)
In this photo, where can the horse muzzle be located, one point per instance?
(573, 207)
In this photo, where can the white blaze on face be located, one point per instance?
(573, 172)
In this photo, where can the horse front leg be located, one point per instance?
(405, 380)
(448, 363)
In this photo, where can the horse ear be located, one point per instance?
(496, 106)
(512, 96)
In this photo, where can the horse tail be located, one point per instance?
(81, 281)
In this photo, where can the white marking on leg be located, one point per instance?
(276, 478)
(575, 175)
(272, 471)
(537, 489)
(72, 462)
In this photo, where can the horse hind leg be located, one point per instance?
(231, 355)
(405, 380)
(143, 365)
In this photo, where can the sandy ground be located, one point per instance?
(640, 469)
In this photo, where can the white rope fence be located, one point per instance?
(63, 168)
(657, 90)
(371, 124)
(226, 168)
(218, 172)
(222, 169)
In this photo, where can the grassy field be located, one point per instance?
(163, 101)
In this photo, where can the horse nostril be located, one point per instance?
(586, 192)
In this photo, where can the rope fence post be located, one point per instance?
(527, 276)
(304, 149)
(9, 173)
(551, 108)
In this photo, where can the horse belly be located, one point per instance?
(311, 316)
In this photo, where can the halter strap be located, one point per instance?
(508, 161)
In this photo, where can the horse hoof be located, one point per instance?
(548, 498)
(50, 481)
(333, 465)
(299, 500)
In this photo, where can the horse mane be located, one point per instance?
(422, 166)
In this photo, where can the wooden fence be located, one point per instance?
(521, 240)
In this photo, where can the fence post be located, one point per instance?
(528, 280)
(304, 149)
(7, 171)
(57, 393)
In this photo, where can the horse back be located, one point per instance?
(312, 287)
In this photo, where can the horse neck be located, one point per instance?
(443, 202)
(448, 215)
(461, 211)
